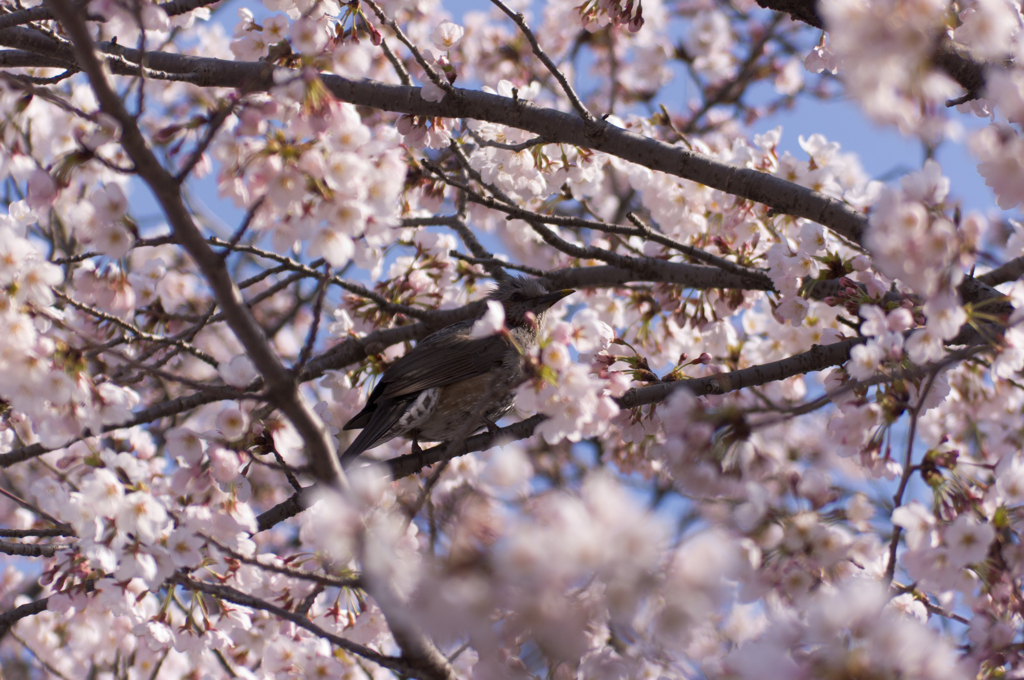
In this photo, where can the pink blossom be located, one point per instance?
(185, 445)
(555, 355)
(275, 28)
(447, 35)
(103, 493)
(334, 246)
(927, 185)
(819, 59)
(988, 28)
(968, 540)
(183, 546)
(492, 322)
(308, 36)
(238, 372)
(250, 47)
(1010, 482)
(142, 515)
(232, 423)
(431, 92)
(42, 190)
(918, 522)
(925, 346)
(864, 360)
(998, 148)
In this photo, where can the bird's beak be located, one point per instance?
(544, 302)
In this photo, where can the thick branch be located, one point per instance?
(29, 550)
(1011, 271)
(554, 126)
(42, 13)
(11, 617)
(23, 59)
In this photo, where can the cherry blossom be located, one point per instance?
(447, 35)
(492, 322)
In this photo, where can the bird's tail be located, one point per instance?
(378, 430)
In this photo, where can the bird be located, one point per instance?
(430, 392)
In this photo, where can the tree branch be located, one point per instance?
(237, 597)
(12, 616)
(555, 126)
(29, 550)
(817, 358)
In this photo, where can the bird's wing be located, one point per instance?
(435, 362)
(447, 360)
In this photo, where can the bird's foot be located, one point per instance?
(416, 447)
(491, 427)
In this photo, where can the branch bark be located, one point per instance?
(556, 127)
(11, 617)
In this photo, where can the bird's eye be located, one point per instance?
(516, 297)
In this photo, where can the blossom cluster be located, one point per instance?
(884, 51)
(577, 400)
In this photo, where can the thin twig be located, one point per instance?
(436, 78)
(313, 576)
(237, 597)
(521, 146)
(532, 271)
(908, 469)
(135, 330)
(250, 214)
(39, 512)
(318, 306)
(563, 82)
(213, 127)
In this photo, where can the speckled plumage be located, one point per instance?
(428, 394)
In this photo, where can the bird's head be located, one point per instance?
(521, 295)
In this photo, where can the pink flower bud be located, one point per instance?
(405, 124)
(42, 190)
